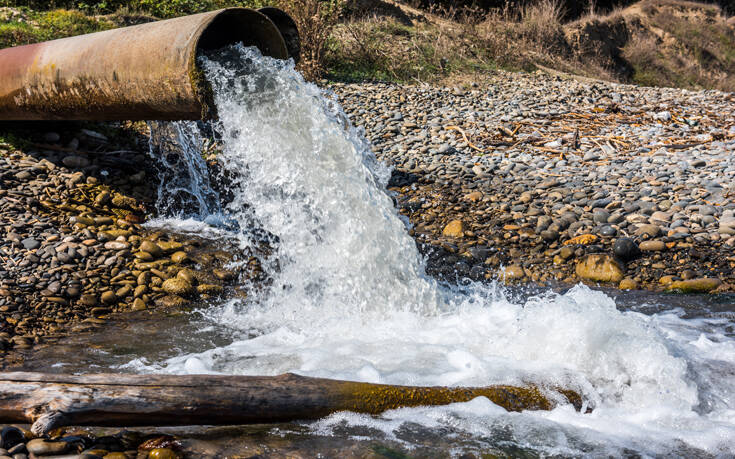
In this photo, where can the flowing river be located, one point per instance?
(350, 299)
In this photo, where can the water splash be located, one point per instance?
(184, 189)
(350, 299)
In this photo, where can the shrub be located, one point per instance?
(315, 20)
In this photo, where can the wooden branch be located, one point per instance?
(53, 400)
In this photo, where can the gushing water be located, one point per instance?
(350, 300)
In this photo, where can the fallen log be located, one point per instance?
(49, 401)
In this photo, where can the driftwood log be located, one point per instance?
(49, 401)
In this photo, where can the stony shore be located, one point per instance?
(531, 177)
(522, 178)
(72, 247)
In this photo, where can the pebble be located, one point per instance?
(626, 249)
(652, 246)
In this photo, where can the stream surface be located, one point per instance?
(350, 299)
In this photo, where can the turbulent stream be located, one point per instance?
(350, 300)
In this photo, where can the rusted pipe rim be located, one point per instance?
(288, 29)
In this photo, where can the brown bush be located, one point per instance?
(315, 20)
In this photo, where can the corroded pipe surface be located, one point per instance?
(143, 72)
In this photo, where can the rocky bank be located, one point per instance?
(520, 177)
(532, 177)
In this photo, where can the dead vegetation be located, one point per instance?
(654, 42)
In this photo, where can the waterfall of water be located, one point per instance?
(350, 298)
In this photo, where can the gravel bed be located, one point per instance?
(535, 177)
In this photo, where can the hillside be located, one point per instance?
(652, 43)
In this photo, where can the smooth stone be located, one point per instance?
(209, 289)
(179, 257)
(138, 305)
(140, 290)
(701, 285)
(628, 284)
(144, 256)
(41, 447)
(88, 299)
(512, 272)
(162, 453)
(116, 245)
(223, 274)
(75, 161)
(648, 229)
(626, 249)
(608, 231)
(177, 286)
(108, 297)
(188, 275)
(599, 267)
(454, 229)
(11, 436)
(30, 243)
(171, 301)
(151, 247)
(652, 246)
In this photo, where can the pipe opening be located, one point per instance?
(232, 26)
(288, 29)
(242, 25)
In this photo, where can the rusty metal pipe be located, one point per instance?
(143, 72)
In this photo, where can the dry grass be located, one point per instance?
(386, 49)
(683, 44)
(315, 20)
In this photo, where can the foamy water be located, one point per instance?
(350, 300)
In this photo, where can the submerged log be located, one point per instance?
(54, 400)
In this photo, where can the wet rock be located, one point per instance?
(163, 453)
(103, 198)
(138, 305)
(223, 274)
(115, 455)
(512, 273)
(599, 267)
(41, 447)
(171, 301)
(454, 229)
(188, 275)
(626, 249)
(88, 299)
(11, 436)
(702, 285)
(116, 245)
(151, 247)
(108, 297)
(209, 289)
(652, 246)
(177, 286)
(628, 284)
(179, 257)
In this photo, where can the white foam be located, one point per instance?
(350, 300)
